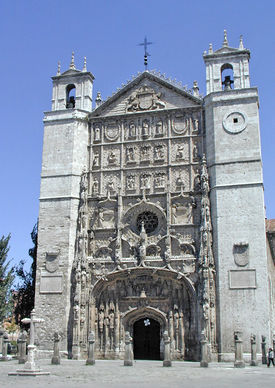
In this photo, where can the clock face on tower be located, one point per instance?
(234, 122)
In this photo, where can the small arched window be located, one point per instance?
(227, 76)
(70, 96)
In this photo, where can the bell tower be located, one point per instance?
(65, 157)
(233, 154)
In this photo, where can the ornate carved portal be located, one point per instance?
(120, 299)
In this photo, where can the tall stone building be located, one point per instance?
(152, 214)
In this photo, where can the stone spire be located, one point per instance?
(58, 68)
(241, 47)
(72, 65)
(225, 41)
(85, 65)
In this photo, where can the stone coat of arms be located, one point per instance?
(145, 98)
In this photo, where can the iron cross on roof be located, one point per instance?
(146, 54)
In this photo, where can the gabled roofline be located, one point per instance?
(151, 76)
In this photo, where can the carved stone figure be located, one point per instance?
(132, 130)
(96, 159)
(110, 185)
(130, 154)
(145, 128)
(180, 152)
(97, 133)
(159, 152)
(159, 128)
(131, 182)
(144, 153)
(112, 158)
(145, 181)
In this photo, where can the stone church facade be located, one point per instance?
(152, 214)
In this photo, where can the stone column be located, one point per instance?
(56, 355)
(91, 349)
(128, 353)
(167, 353)
(239, 362)
(22, 347)
(253, 361)
(264, 360)
(5, 347)
(204, 351)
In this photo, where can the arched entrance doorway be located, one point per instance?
(146, 339)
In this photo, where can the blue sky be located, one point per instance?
(35, 35)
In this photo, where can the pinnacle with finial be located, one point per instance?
(241, 47)
(210, 51)
(58, 68)
(225, 41)
(72, 65)
(85, 65)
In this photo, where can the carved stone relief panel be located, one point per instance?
(196, 123)
(160, 152)
(160, 127)
(95, 185)
(241, 253)
(145, 98)
(180, 123)
(179, 179)
(182, 209)
(111, 182)
(146, 128)
(180, 151)
(131, 182)
(145, 153)
(131, 154)
(130, 130)
(160, 179)
(95, 158)
(145, 181)
(111, 157)
(112, 130)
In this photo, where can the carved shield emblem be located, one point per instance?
(145, 101)
(112, 131)
(241, 254)
(52, 262)
(180, 124)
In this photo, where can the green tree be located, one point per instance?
(25, 289)
(6, 280)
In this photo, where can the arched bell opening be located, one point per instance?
(70, 96)
(227, 77)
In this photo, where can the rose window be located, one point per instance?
(150, 221)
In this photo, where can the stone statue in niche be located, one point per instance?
(197, 183)
(130, 182)
(130, 154)
(97, 133)
(180, 182)
(196, 126)
(96, 159)
(132, 130)
(145, 153)
(159, 152)
(160, 180)
(112, 158)
(142, 246)
(180, 155)
(110, 186)
(145, 128)
(159, 128)
(95, 187)
(105, 217)
(145, 181)
(196, 152)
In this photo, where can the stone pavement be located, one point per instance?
(143, 374)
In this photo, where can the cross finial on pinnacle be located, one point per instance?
(146, 54)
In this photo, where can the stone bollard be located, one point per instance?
(264, 360)
(167, 353)
(253, 361)
(91, 349)
(128, 353)
(5, 347)
(56, 355)
(2, 331)
(22, 347)
(204, 351)
(239, 362)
